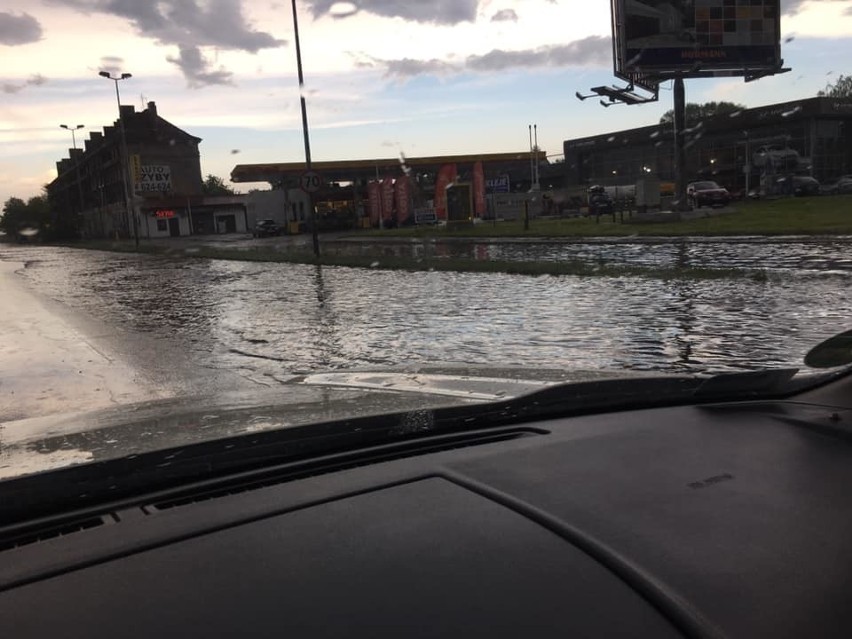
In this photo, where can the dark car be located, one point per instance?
(805, 185)
(842, 186)
(600, 202)
(707, 193)
(266, 228)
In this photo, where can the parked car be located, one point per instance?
(600, 202)
(843, 186)
(266, 228)
(707, 193)
(801, 185)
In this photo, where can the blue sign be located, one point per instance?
(498, 185)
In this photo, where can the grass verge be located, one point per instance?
(461, 265)
(826, 215)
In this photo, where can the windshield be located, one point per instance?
(413, 204)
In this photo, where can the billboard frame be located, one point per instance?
(713, 63)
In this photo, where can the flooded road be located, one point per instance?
(264, 322)
(804, 255)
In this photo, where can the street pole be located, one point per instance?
(305, 127)
(125, 164)
(680, 144)
(535, 159)
(381, 199)
(532, 166)
(74, 130)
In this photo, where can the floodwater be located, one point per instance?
(266, 321)
(776, 254)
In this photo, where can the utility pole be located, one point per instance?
(305, 127)
(532, 166)
(535, 159)
(680, 144)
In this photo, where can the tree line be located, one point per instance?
(39, 214)
(695, 113)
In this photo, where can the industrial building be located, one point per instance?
(747, 150)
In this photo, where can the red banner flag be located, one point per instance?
(403, 200)
(387, 199)
(446, 176)
(479, 207)
(374, 201)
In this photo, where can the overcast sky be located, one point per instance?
(384, 77)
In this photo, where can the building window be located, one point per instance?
(162, 225)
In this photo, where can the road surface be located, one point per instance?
(49, 365)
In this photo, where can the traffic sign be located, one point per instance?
(310, 181)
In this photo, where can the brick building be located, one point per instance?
(164, 180)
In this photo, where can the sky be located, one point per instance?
(383, 77)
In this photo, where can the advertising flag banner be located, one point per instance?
(479, 205)
(374, 201)
(403, 200)
(387, 199)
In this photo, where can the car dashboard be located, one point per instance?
(715, 520)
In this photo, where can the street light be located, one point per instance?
(130, 211)
(73, 130)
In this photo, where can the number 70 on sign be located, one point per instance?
(310, 181)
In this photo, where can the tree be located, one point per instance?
(17, 214)
(14, 214)
(214, 185)
(697, 112)
(842, 88)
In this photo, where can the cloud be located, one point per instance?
(408, 68)
(590, 51)
(189, 25)
(112, 63)
(197, 69)
(505, 15)
(593, 50)
(434, 11)
(22, 29)
(792, 7)
(36, 80)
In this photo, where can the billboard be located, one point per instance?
(695, 37)
(154, 178)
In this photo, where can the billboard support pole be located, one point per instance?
(680, 143)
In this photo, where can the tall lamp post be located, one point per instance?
(131, 211)
(74, 130)
(305, 126)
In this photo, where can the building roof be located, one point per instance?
(343, 170)
(141, 127)
(744, 119)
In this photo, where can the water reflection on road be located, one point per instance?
(268, 321)
(796, 254)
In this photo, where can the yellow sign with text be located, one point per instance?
(136, 168)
